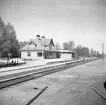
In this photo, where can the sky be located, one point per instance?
(83, 21)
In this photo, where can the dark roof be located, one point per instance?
(66, 51)
(41, 41)
(37, 44)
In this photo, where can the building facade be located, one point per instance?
(43, 48)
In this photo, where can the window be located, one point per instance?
(28, 53)
(39, 54)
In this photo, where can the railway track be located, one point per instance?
(16, 78)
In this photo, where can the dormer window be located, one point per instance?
(31, 43)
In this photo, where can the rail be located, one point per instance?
(18, 78)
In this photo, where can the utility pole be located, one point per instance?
(102, 51)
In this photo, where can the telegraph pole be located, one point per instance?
(102, 51)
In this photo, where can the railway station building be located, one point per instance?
(43, 48)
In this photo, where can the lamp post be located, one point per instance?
(9, 54)
(43, 45)
(42, 51)
(102, 51)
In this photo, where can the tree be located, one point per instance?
(91, 52)
(23, 43)
(8, 42)
(82, 51)
(2, 26)
(57, 46)
(98, 54)
(78, 50)
(69, 45)
(85, 51)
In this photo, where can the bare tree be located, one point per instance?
(57, 46)
(69, 45)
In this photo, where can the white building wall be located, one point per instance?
(23, 54)
(65, 56)
(32, 57)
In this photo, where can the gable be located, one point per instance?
(51, 42)
(31, 43)
(35, 44)
(48, 42)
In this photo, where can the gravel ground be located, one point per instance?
(69, 87)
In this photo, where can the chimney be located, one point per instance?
(38, 36)
(43, 37)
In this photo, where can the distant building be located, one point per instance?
(43, 48)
